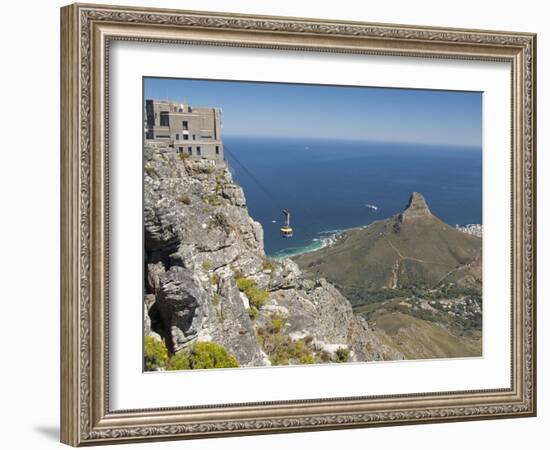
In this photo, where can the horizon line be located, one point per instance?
(365, 139)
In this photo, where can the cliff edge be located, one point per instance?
(207, 278)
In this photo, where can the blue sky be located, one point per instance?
(359, 113)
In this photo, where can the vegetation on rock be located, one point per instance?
(196, 230)
(185, 199)
(252, 312)
(202, 355)
(268, 265)
(256, 297)
(220, 220)
(281, 348)
(342, 354)
(215, 279)
(155, 353)
(151, 171)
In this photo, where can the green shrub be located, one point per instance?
(256, 297)
(307, 359)
(183, 156)
(245, 283)
(282, 349)
(215, 279)
(180, 361)
(342, 354)
(155, 353)
(185, 199)
(213, 200)
(202, 355)
(279, 348)
(151, 171)
(209, 355)
(298, 349)
(277, 324)
(205, 265)
(268, 265)
(220, 220)
(252, 312)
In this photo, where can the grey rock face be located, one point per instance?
(321, 312)
(183, 305)
(199, 238)
(417, 208)
(236, 330)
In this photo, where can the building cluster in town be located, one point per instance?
(475, 229)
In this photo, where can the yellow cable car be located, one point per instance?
(286, 230)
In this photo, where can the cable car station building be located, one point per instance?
(188, 129)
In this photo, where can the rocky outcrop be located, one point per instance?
(199, 240)
(417, 209)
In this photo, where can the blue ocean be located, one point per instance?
(332, 185)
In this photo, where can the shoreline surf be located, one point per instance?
(329, 237)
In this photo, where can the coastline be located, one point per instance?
(327, 239)
(330, 237)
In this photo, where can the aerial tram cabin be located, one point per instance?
(286, 230)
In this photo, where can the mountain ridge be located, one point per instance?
(416, 280)
(413, 247)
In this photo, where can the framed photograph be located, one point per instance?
(276, 224)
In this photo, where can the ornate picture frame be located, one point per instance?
(87, 32)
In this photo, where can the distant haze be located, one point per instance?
(450, 118)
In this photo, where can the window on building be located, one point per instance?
(185, 137)
(189, 109)
(198, 151)
(217, 150)
(189, 150)
(194, 137)
(164, 119)
(177, 137)
(184, 125)
(175, 109)
(180, 150)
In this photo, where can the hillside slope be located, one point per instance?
(208, 279)
(416, 280)
(414, 248)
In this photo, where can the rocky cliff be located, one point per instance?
(207, 277)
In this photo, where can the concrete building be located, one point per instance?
(188, 129)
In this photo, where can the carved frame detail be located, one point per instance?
(87, 31)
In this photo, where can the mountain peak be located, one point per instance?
(417, 208)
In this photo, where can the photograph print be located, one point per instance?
(291, 224)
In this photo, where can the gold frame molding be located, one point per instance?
(86, 33)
